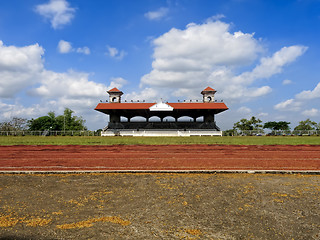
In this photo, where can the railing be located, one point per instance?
(162, 132)
(163, 125)
(272, 133)
(50, 133)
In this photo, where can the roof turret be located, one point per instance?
(208, 89)
(115, 95)
(114, 90)
(208, 94)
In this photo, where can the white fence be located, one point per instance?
(50, 133)
(273, 133)
(162, 133)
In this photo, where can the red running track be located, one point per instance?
(49, 158)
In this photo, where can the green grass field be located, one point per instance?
(251, 140)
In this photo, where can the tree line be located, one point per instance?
(50, 122)
(255, 124)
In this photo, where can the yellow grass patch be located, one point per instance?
(89, 222)
(72, 201)
(194, 232)
(34, 222)
(57, 213)
(81, 224)
(8, 221)
(280, 194)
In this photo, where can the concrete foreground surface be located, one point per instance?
(159, 206)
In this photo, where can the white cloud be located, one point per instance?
(200, 47)
(147, 94)
(66, 47)
(158, 14)
(286, 82)
(215, 18)
(310, 94)
(112, 51)
(239, 113)
(58, 12)
(117, 82)
(70, 89)
(272, 65)
(72, 84)
(22, 71)
(8, 111)
(244, 110)
(115, 53)
(304, 98)
(263, 114)
(311, 112)
(84, 50)
(75, 91)
(185, 92)
(275, 64)
(288, 105)
(208, 54)
(19, 67)
(256, 92)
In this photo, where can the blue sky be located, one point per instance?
(262, 57)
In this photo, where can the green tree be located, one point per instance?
(42, 123)
(69, 122)
(306, 125)
(228, 132)
(243, 124)
(283, 125)
(59, 123)
(251, 124)
(275, 126)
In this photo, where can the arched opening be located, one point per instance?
(138, 119)
(154, 119)
(185, 119)
(200, 119)
(123, 119)
(114, 99)
(169, 119)
(209, 99)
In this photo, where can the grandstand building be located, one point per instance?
(183, 118)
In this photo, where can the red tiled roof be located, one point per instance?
(214, 105)
(132, 106)
(115, 106)
(209, 89)
(114, 90)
